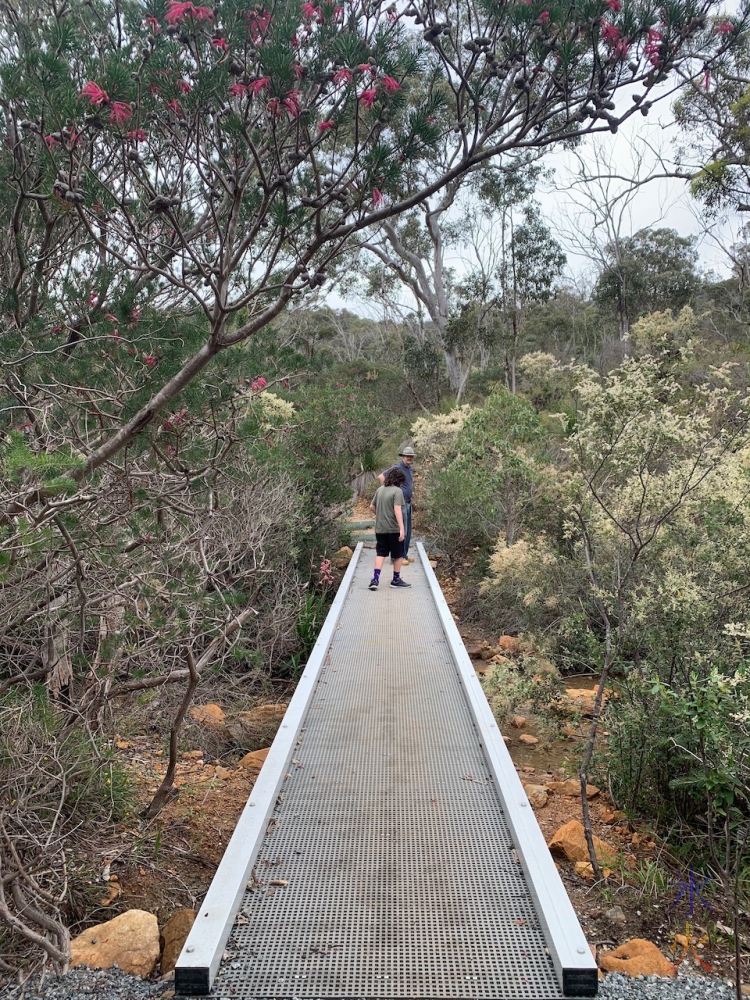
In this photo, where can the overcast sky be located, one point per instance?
(664, 202)
(658, 203)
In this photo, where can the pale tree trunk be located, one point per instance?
(427, 280)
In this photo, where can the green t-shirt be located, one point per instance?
(385, 499)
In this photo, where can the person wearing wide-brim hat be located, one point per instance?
(407, 459)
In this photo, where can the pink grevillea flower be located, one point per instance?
(652, 50)
(135, 316)
(392, 14)
(724, 28)
(299, 71)
(338, 14)
(311, 13)
(153, 24)
(342, 76)
(178, 11)
(367, 97)
(365, 68)
(621, 48)
(258, 22)
(259, 384)
(149, 360)
(294, 41)
(292, 102)
(220, 43)
(274, 107)
(614, 5)
(137, 135)
(239, 89)
(610, 32)
(377, 197)
(72, 137)
(120, 112)
(707, 81)
(262, 83)
(111, 317)
(153, 89)
(183, 86)
(95, 94)
(325, 126)
(174, 106)
(544, 17)
(50, 141)
(390, 86)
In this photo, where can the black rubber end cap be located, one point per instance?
(580, 982)
(191, 982)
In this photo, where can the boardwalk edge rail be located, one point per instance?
(201, 954)
(571, 956)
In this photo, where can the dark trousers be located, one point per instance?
(406, 513)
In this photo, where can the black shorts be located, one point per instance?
(388, 545)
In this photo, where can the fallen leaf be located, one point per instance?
(279, 881)
(113, 891)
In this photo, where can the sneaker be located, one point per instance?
(400, 583)
(373, 584)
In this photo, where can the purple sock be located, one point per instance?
(396, 576)
(376, 574)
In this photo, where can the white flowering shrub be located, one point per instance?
(537, 365)
(435, 435)
(276, 412)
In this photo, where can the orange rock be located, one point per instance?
(209, 715)
(342, 558)
(570, 841)
(518, 721)
(637, 958)
(473, 648)
(585, 870)
(537, 795)
(174, 936)
(130, 940)
(572, 788)
(264, 714)
(254, 760)
(509, 643)
(528, 739)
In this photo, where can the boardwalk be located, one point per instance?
(388, 866)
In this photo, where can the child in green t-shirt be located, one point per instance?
(388, 505)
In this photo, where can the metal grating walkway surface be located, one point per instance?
(399, 876)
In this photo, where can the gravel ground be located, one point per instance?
(111, 984)
(103, 984)
(683, 987)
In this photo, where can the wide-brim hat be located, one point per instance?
(407, 453)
